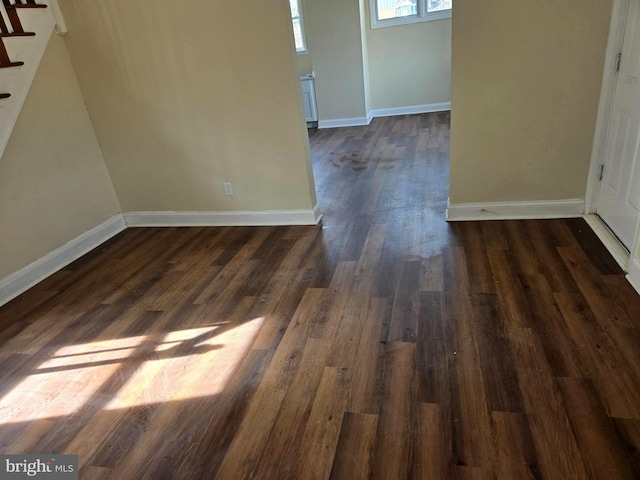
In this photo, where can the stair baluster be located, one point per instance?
(9, 10)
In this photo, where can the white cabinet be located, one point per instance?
(309, 97)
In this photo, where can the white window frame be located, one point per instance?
(304, 49)
(422, 16)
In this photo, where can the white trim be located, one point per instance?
(345, 122)
(385, 112)
(411, 109)
(22, 280)
(607, 92)
(609, 240)
(515, 210)
(369, 116)
(61, 25)
(223, 219)
(634, 274)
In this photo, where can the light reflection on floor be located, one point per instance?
(144, 369)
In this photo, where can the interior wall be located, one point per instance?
(410, 64)
(304, 63)
(187, 96)
(525, 88)
(54, 184)
(335, 41)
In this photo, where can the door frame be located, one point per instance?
(605, 106)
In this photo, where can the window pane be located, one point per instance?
(297, 34)
(294, 8)
(437, 5)
(397, 8)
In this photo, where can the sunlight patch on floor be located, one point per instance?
(126, 372)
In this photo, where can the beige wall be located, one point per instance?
(335, 41)
(186, 95)
(525, 88)
(54, 184)
(410, 64)
(304, 63)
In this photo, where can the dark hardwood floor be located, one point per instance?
(383, 344)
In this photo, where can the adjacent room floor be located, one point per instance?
(383, 343)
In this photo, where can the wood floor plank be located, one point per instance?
(480, 274)
(321, 435)
(628, 432)
(95, 473)
(546, 248)
(626, 297)
(434, 352)
(329, 313)
(393, 452)
(368, 260)
(603, 452)
(557, 451)
(593, 287)
(472, 445)
(249, 441)
(511, 291)
(431, 275)
(592, 246)
(550, 327)
(614, 378)
(355, 447)
(515, 451)
(432, 447)
(291, 420)
(233, 268)
(496, 359)
(226, 411)
(403, 326)
(365, 395)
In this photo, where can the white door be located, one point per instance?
(309, 98)
(619, 198)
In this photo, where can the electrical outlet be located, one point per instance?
(228, 188)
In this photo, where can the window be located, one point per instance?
(399, 12)
(298, 26)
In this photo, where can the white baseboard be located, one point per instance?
(609, 240)
(412, 109)
(634, 274)
(384, 112)
(22, 280)
(515, 210)
(27, 277)
(223, 219)
(345, 122)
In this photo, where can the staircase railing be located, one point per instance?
(25, 29)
